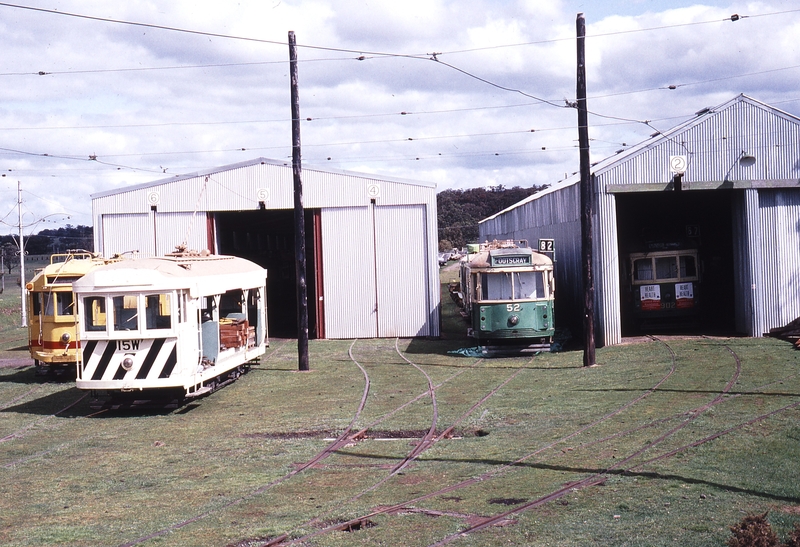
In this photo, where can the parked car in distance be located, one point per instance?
(443, 258)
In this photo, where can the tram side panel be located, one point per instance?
(147, 339)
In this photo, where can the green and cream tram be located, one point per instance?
(507, 291)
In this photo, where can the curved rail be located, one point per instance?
(17, 434)
(281, 540)
(427, 439)
(601, 476)
(19, 397)
(340, 441)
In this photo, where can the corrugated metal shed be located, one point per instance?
(378, 236)
(765, 210)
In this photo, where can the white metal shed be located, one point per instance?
(741, 185)
(371, 241)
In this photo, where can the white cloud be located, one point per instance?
(464, 131)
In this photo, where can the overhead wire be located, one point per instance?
(734, 17)
(431, 57)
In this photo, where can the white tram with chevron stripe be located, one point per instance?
(187, 321)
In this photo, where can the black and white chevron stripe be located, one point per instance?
(152, 359)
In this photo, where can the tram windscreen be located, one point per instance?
(667, 267)
(64, 303)
(94, 310)
(512, 285)
(125, 313)
(157, 311)
(643, 269)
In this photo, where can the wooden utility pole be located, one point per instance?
(586, 200)
(299, 216)
(22, 259)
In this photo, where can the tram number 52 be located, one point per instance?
(512, 307)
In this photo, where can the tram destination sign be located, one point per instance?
(511, 260)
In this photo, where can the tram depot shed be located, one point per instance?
(738, 201)
(371, 242)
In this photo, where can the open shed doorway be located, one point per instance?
(267, 238)
(655, 223)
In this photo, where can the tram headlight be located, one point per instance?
(65, 338)
(127, 362)
(513, 320)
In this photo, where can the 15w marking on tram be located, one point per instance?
(128, 345)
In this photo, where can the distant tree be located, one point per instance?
(459, 211)
(50, 241)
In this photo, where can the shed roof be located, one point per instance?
(258, 161)
(659, 138)
(211, 274)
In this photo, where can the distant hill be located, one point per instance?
(460, 210)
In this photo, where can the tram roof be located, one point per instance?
(202, 275)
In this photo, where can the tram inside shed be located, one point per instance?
(685, 238)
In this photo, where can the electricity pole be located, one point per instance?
(586, 200)
(22, 258)
(299, 216)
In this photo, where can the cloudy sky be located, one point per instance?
(97, 95)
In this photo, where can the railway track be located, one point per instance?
(283, 540)
(666, 436)
(624, 465)
(345, 438)
(21, 431)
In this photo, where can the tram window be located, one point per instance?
(36, 299)
(209, 305)
(48, 304)
(231, 303)
(688, 266)
(157, 311)
(94, 308)
(125, 313)
(528, 285)
(667, 267)
(64, 303)
(496, 286)
(253, 298)
(643, 269)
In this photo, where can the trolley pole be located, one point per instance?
(299, 216)
(586, 200)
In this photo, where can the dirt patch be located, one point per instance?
(507, 501)
(351, 526)
(396, 434)
(290, 435)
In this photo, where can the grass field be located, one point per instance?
(668, 442)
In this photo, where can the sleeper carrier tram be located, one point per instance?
(183, 324)
(507, 293)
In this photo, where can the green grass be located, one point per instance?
(86, 479)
